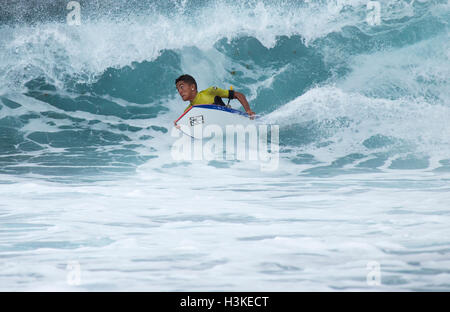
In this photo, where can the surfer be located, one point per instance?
(187, 88)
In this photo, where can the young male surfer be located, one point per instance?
(187, 88)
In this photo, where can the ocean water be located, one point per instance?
(92, 198)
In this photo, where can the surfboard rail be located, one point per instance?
(212, 106)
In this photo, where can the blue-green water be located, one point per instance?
(86, 173)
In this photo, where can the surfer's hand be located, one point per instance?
(251, 114)
(175, 124)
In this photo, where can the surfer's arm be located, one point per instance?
(242, 99)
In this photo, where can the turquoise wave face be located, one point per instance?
(348, 96)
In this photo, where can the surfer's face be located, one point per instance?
(187, 91)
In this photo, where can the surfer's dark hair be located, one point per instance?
(188, 79)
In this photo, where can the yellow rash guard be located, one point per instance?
(207, 96)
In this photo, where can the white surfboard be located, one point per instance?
(197, 117)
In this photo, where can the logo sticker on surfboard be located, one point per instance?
(196, 120)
